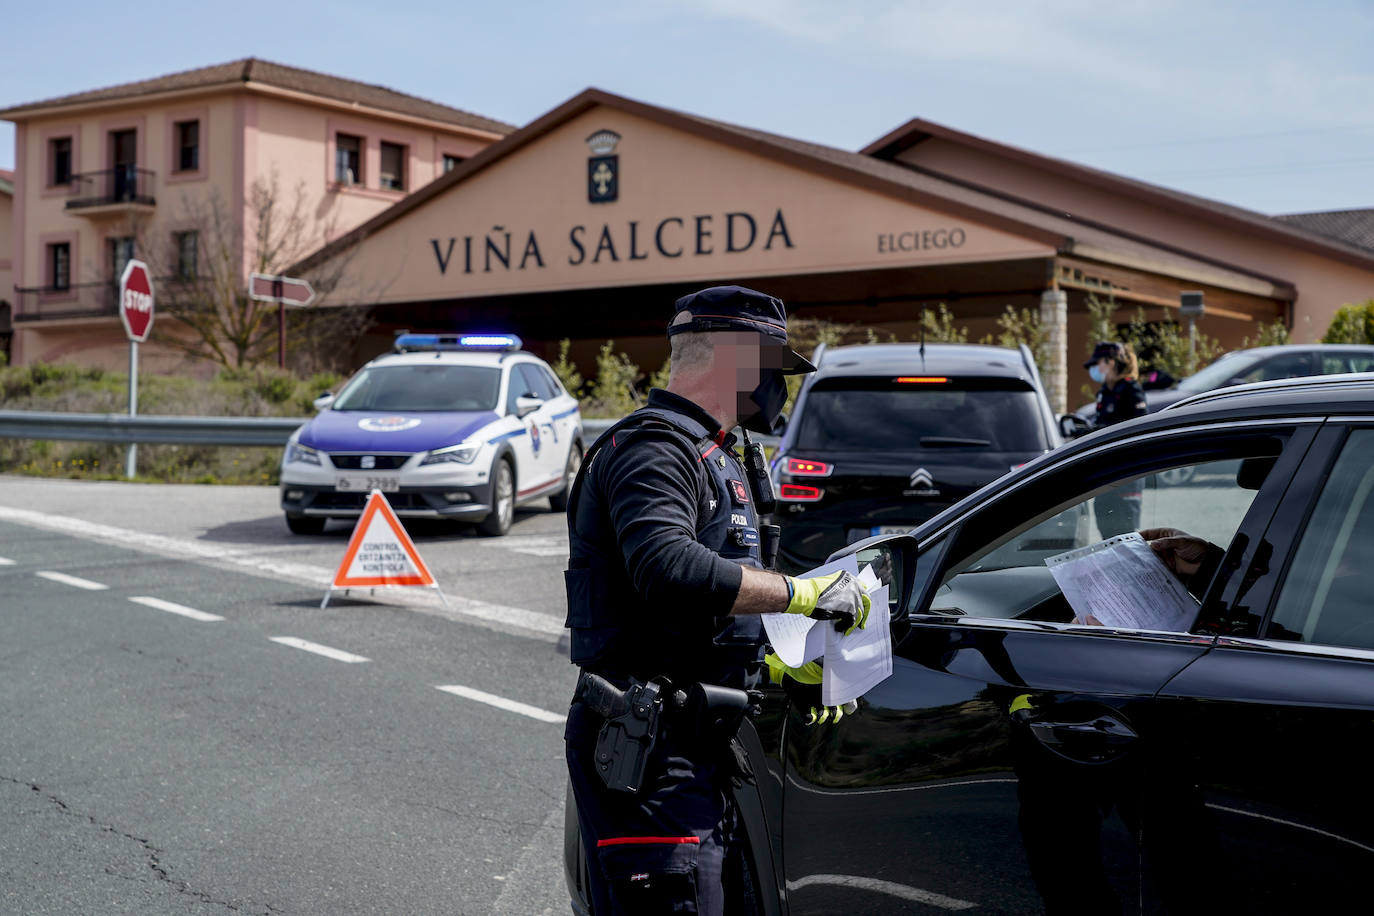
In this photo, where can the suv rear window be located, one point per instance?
(881, 414)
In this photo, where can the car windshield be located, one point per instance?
(421, 388)
(1232, 365)
(880, 414)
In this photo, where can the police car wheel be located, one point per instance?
(502, 501)
(304, 524)
(559, 500)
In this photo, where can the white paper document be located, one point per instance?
(788, 632)
(856, 663)
(1122, 583)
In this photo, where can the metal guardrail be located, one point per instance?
(112, 427)
(155, 430)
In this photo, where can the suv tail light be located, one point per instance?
(921, 379)
(800, 467)
(799, 493)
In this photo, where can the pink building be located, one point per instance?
(141, 169)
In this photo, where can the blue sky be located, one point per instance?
(1262, 104)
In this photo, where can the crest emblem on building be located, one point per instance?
(603, 167)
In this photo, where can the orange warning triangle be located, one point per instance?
(380, 552)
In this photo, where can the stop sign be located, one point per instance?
(136, 300)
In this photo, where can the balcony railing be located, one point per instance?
(121, 186)
(85, 300)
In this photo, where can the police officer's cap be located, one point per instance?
(1106, 349)
(735, 308)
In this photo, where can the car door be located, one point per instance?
(1273, 730)
(546, 452)
(1006, 763)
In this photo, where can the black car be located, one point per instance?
(884, 436)
(1019, 762)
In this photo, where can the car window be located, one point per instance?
(1325, 598)
(1336, 363)
(537, 381)
(1008, 578)
(421, 388)
(1285, 365)
(882, 414)
(524, 382)
(1227, 366)
(555, 386)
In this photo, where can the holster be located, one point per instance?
(629, 728)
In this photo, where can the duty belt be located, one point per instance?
(632, 720)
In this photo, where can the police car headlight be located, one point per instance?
(459, 454)
(302, 453)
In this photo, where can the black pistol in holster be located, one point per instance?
(761, 485)
(629, 729)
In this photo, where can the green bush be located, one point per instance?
(1352, 324)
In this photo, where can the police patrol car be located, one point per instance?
(465, 427)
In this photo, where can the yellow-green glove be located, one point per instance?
(832, 714)
(810, 673)
(837, 596)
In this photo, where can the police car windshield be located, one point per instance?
(421, 388)
(881, 414)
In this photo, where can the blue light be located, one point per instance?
(412, 342)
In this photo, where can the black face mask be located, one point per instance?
(760, 409)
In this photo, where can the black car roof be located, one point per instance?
(939, 358)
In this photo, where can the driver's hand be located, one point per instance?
(1181, 552)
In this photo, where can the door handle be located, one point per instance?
(1098, 740)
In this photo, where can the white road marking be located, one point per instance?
(336, 654)
(75, 581)
(491, 699)
(425, 600)
(535, 545)
(890, 888)
(172, 608)
(6, 562)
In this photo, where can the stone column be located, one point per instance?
(1054, 317)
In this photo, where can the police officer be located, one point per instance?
(664, 588)
(1113, 366)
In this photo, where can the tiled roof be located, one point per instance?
(252, 69)
(1354, 227)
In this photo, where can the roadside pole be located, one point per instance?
(283, 291)
(131, 456)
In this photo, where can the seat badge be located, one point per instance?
(368, 462)
(740, 492)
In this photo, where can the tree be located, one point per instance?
(203, 280)
(1352, 324)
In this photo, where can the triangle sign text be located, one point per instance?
(380, 552)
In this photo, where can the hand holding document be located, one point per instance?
(1122, 583)
(853, 663)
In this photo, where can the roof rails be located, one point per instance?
(1362, 379)
(419, 343)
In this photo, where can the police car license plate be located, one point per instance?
(352, 483)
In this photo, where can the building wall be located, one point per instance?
(1323, 283)
(6, 247)
(246, 140)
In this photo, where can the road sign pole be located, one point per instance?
(278, 290)
(131, 458)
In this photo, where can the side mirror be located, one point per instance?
(323, 401)
(527, 405)
(893, 558)
(1071, 426)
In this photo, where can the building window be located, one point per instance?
(451, 162)
(60, 156)
(188, 146)
(187, 248)
(121, 253)
(393, 167)
(348, 159)
(60, 266)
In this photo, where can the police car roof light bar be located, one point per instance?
(497, 342)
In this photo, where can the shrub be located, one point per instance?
(1353, 324)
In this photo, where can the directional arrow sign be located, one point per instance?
(286, 290)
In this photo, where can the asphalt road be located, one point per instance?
(172, 740)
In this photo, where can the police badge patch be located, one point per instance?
(603, 168)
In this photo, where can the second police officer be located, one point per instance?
(1113, 366)
(665, 584)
